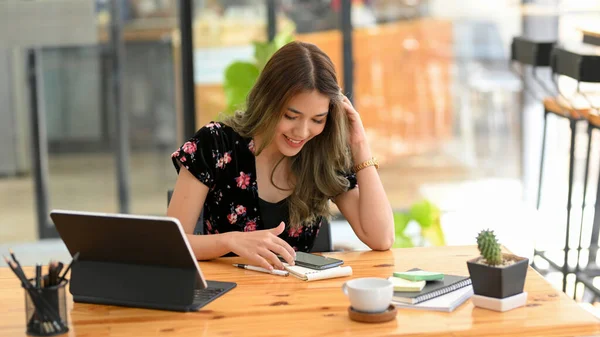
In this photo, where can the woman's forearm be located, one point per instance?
(212, 246)
(375, 212)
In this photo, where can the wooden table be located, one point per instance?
(267, 305)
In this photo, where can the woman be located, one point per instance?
(265, 176)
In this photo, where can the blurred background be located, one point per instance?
(96, 95)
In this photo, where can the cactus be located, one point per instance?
(489, 247)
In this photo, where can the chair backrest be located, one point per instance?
(199, 229)
(579, 62)
(323, 241)
(531, 51)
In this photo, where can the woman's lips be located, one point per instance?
(293, 143)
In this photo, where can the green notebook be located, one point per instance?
(419, 275)
(402, 285)
(433, 289)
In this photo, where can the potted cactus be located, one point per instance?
(495, 274)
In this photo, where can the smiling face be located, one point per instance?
(304, 118)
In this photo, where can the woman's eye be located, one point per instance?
(319, 121)
(290, 117)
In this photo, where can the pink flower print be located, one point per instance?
(250, 226)
(175, 154)
(294, 232)
(240, 210)
(251, 146)
(182, 159)
(189, 147)
(224, 160)
(243, 180)
(232, 218)
(213, 125)
(208, 225)
(220, 163)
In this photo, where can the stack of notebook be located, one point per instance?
(440, 295)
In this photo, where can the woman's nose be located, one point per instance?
(302, 131)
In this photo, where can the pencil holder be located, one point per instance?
(46, 310)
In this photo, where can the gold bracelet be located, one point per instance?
(371, 162)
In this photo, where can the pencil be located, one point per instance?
(75, 257)
(12, 254)
(52, 274)
(38, 276)
(43, 307)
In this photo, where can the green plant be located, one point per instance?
(489, 247)
(427, 216)
(240, 76)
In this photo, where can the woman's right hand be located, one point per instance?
(261, 247)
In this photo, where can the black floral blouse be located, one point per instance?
(224, 161)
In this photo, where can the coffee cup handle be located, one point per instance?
(345, 288)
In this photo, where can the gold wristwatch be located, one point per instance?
(371, 162)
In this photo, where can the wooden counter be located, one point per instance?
(268, 305)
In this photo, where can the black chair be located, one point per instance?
(586, 274)
(582, 63)
(535, 54)
(563, 61)
(578, 63)
(323, 241)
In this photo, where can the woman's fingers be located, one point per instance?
(271, 257)
(262, 262)
(349, 108)
(346, 100)
(283, 252)
(281, 242)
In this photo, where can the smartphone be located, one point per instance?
(313, 261)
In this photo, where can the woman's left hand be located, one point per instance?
(357, 130)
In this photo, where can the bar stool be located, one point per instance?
(562, 61)
(586, 274)
(588, 60)
(574, 61)
(535, 54)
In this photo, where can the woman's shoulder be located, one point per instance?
(220, 136)
(216, 131)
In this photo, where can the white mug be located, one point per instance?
(369, 294)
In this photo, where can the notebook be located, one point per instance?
(308, 274)
(447, 302)
(433, 289)
(402, 285)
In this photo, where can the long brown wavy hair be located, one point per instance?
(295, 68)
